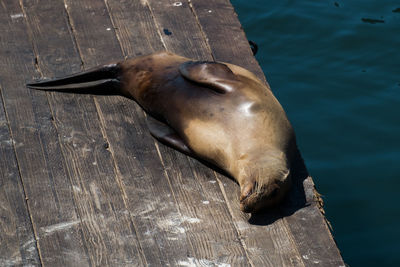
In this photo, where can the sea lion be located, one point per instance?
(218, 112)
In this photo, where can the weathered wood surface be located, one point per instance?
(83, 183)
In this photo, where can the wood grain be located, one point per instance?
(140, 171)
(108, 234)
(36, 145)
(17, 240)
(224, 34)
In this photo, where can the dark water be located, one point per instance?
(335, 67)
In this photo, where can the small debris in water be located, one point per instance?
(397, 10)
(336, 4)
(372, 21)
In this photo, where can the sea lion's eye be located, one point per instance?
(274, 193)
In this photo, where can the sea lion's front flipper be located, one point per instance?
(215, 75)
(167, 135)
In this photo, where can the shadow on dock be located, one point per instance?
(297, 198)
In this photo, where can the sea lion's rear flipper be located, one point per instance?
(214, 75)
(167, 135)
(84, 82)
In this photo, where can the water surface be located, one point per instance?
(335, 67)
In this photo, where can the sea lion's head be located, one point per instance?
(263, 187)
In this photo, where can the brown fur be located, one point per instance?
(217, 112)
(244, 132)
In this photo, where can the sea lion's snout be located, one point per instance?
(256, 196)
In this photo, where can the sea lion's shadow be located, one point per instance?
(295, 200)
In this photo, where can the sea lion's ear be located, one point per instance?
(217, 76)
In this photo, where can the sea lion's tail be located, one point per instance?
(101, 80)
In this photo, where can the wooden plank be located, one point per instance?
(316, 246)
(179, 30)
(225, 35)
(308, 225)
(108, 233)
(148, 195)
(18, 244)
(36, 145)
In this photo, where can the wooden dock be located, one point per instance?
(82, 182)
